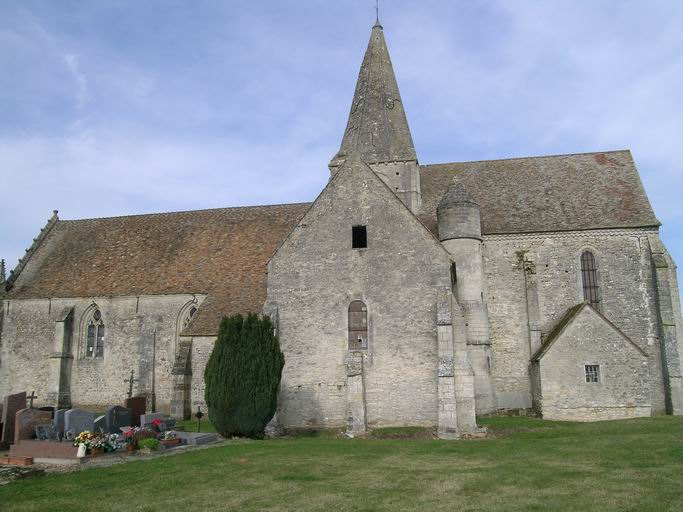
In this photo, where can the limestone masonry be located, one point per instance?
(403, 295)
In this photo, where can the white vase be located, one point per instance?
(81, 451)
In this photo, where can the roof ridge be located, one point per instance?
(201, 210)
(530, 157)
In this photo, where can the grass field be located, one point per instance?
(532, 465)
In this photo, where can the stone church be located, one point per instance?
(405, 294)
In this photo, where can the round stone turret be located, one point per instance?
(458, 214)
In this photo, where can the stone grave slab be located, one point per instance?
(26, 421)
(58, 420)
(78, 420)
(147, 419)
(137, 406)
(197, 438)
(118, 417)
(11, 405)
(100, 424)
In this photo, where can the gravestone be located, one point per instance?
(47, 432)
(49, 409)
(12, 404)
(78, 420)
(26, 421)
(117, 417)
(59, 419)
(138, 407)
(147, 419)
(100, 424)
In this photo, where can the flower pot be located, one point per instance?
(171, 442)
(96, 452)
(81, 451)
(130, 447)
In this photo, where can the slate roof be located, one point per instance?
(547, 193)
(221, 252)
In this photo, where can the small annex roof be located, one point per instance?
(567, 319)
(220, 252)
(547, 193)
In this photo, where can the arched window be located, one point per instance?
(358, 326)
(589, 277)
(94, 335)
(189, 314)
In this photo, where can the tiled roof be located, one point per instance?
(224, 252)
(548, 193)
(221, 252)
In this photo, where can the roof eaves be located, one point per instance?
(23, 261)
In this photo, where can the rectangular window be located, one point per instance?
(592, 372)
(359, 237)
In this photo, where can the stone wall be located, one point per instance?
(137, 330)
(626, 287)
(314, 277)
(623, 390)
(202, 346)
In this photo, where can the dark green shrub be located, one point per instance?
(242, 376)
(145, 433)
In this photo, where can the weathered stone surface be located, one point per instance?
(26, 420)
(587, 338)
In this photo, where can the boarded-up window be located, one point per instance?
(358, 326)
(589, 275)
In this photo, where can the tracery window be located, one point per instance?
(188, 317)
(94, 346)
(358, 326)
(589, 277)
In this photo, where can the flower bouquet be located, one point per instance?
(170, 438)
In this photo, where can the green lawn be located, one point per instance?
(532, 465)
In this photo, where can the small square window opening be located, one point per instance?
(592, 373)
(359, 237)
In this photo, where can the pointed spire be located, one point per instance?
(377, 126)
(456, 194)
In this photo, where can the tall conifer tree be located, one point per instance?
(242, 376)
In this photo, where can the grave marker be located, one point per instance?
(137, 406)
(100, 424)
(25, 423)
(78, 421)
(118, 417)
(13, 404)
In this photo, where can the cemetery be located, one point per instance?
(47, 435)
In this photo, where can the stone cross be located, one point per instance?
(130, 381)
(31, 398)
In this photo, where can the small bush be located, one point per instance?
(145, 433)
(152, 444)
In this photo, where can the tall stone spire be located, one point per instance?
(377, 127)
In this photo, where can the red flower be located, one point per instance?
(156, 422)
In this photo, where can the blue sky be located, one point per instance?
(120, 107)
